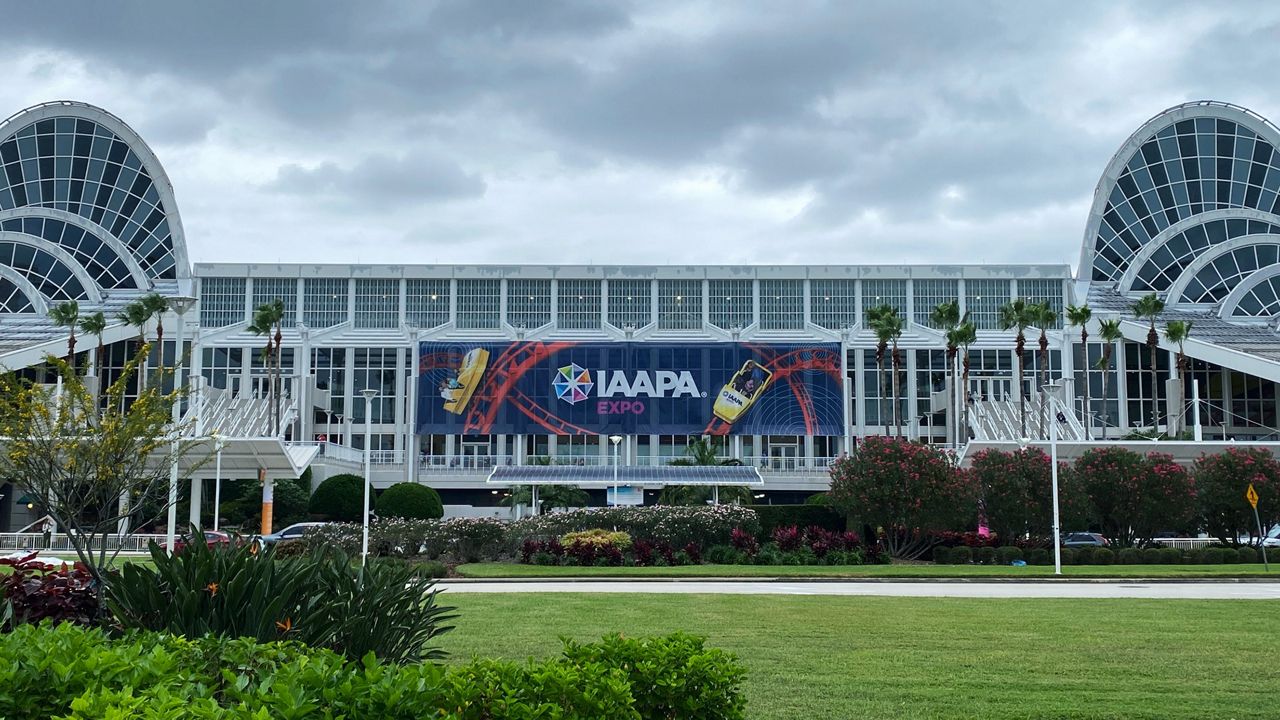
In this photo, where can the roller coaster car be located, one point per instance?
(743, 389)
(470, 375)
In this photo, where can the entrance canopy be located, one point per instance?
(603, 476)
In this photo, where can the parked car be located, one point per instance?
(211, 539)
(1084, 539)
(293, 532)
(1272, 540)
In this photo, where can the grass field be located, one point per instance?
(517, 570)
(836, 657)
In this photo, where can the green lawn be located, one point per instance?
(839, 657)
(517, 570)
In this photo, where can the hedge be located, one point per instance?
(55, 671)
(411, 501)
(339, 498)
(801, 516)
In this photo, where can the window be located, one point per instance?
(833, 304)
(931, 377)
(931, 293)
(630, 303)
(884, 292)
(427, 302)
(375, 368)
(222, 365)
(221, 301)
(782, 304)
(578, 304)
(528, 303)
(13, 299)
(877, 397)
(377, 303)
(680, 304)
(285, 290)
(1039, 291)
(330, 368)
(983, 299)
(478, 304)
(731, 303)
(324, 302)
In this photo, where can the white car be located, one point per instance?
(1272, 540)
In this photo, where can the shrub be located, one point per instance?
(339, 498)
(1015, 490)
(43, 670)
(322, 600)
(769, 555)
(1152, 556)
(788, 538)
(1039, 556)
(985, 555)
(620, 540)
(1170, 556)
(1102, 556)
(410, 500)
(1069, 555)
(821, 515)
(1212, 555)
(1247, 555)
(1129, 556)
(744, 541)
(1007, 554)
(643, 553)
(706, 525)
(909, 489)
(35, 591)
(722, 555)
(961, 555)
(1221, 481)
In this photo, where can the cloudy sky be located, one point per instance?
(647, 132)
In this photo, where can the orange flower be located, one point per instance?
(285, 626)
(212, 588)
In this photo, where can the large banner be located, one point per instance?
(629, 388)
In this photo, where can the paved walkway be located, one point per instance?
(1158, 591)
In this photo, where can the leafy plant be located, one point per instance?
(1222, 479)
(410, 500)
(339, 498)
(35, 591)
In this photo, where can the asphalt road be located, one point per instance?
(1154, 590)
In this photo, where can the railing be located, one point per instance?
(60, 543)
(341, 452)
(462, 463)
(386, 457)
(484, 463)
(1185, 543)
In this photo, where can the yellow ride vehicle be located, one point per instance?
(743, 389)
(457, 391)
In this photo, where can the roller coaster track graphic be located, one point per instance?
(438, 360)
(499, 386)
(784, 366)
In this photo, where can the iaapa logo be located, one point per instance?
(573, 383)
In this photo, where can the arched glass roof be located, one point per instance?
(13, 299)
(1262, 300)
(1213, 282)
(52, 277)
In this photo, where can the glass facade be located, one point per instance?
(983, 299)
(833, 304)
(528, 303)
(884, 292)
(731, 303)
(679, 304)
(95, 255)
(578, 304)
(782, 304)
(13, 299)
(931, 293)
(1261, 300)
(285, 290)
(1214, 281)
(479, 304)
(324, 301)
(426, 302)
(52, 277)
(377, 303)
(1176, 253)
(630, 303)
(1044, 291)
(374, 368)
(221, 301)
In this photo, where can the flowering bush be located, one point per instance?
(1131, 496)
(788, 538)
(457, 539)
(35, 591)
(907, 489)
(620, 540)
(1016, 490)
(678, 525)
(1221, 481)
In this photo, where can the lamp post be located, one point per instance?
(218, 444)
(615, 439)
(1053, 474)
(179, 304)
(368, 394)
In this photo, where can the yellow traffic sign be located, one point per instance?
(1252, 496)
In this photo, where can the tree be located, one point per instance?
(339, 498)
(946, 317)
(1043, 317)
(1222, 479)
(888, 327)
(903, 490)
(1167, 499)
(1132, 496)
(267, 318)
(1148, 307)
(96, 324)
(1110, 333)
(156, 306)
(966, 334)
(875, 322)
(137, 315)
(1016, 490)
(410, 500)
(702, 452)
(1079, 316)
(549, 496)
(76, 457)
(67, 315)
(1177, 332)
(1016, 314)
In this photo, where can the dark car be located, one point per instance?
(1084, 539)
(212, 539)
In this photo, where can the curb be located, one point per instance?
(1202, 579)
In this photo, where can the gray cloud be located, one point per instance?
(381, 181)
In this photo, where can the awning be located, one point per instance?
(604, 476)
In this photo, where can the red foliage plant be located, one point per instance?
(38, 591)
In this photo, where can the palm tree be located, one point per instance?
(1043, 317)
(875, 319)
(702, 452)
(156, 306)
(266, 319)
(966, 334)
(946, 317)
(1109, 332)
(1080, 317)
(1177, 331)
(137, 315)
(67, 315)
(888, 327)
(1016, 314)
(96, 324)
(1149, 307)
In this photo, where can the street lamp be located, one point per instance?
(179, 304)
(615, 439)
(368, 394)
(218, 445)
(1053, 474)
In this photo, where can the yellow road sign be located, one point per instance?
(1252, 496)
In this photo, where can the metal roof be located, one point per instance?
(709, 475)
